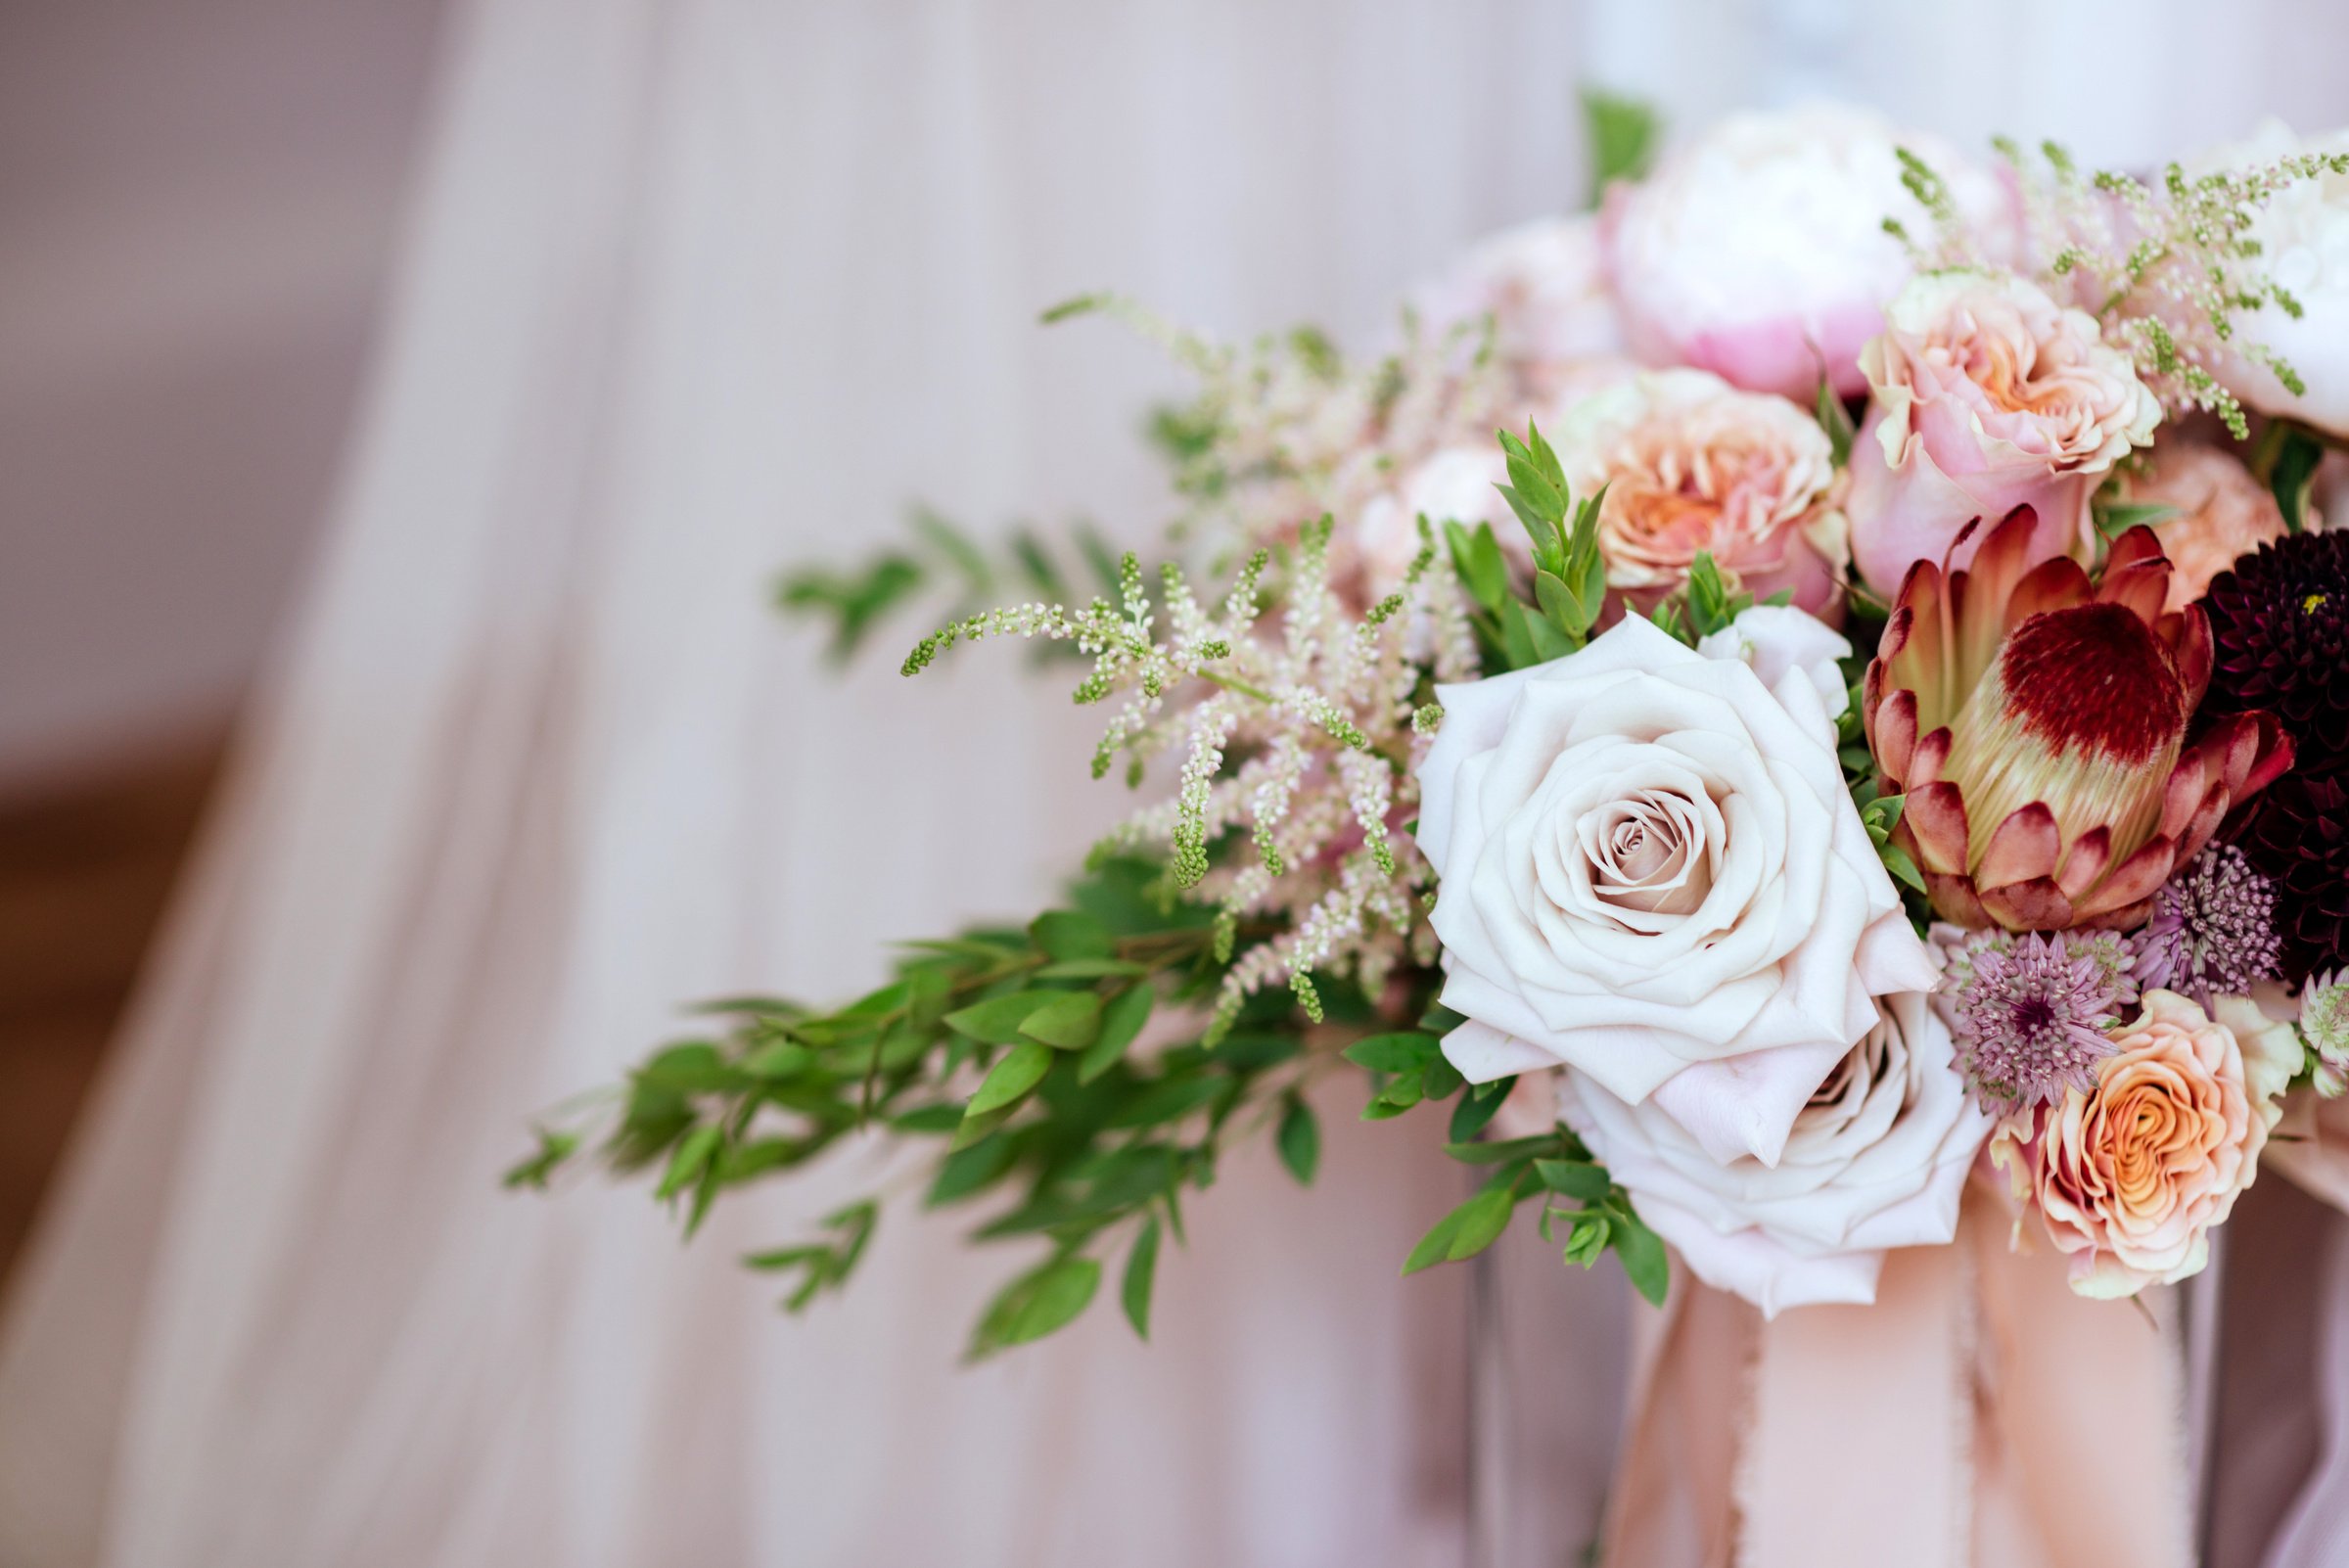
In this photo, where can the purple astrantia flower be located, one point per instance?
(2212, 930)
(2030, 1013)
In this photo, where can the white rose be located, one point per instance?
(2303, 235)
(1779, 640)
(1653, 873)
(1876, 1159)
(1543, 285)
(1759, 252)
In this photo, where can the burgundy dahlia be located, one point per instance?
(2298, 838)
(2280, 630)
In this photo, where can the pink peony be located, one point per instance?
(2130, 1177)
(1544, 287)
(1690, 464)
(1989, 396)
(1759, 252)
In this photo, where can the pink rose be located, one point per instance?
(2130, 1177)
(2222, 512)
(1759, 252)
(1989, 396)
(1690, 464)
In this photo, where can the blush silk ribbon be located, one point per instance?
(1978, 1415)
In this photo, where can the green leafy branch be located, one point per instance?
(1569, 579)
(1409, 1068)
(1009, 1050)
(852, 602)
(1621, 134)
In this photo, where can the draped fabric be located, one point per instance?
(1978, 1413)
(696, 288)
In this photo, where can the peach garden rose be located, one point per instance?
(2221, 512)
(2129, 1177)
(1692, 464)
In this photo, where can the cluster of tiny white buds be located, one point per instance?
(1370, 790)
(1212, 724)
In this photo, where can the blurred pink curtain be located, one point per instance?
(698, 287)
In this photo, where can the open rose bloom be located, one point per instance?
(2130, 1177)
(1653, 873)
(1690, 464)
(1876, 1158)
(1988, 395)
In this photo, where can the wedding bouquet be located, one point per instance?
(1875, 722)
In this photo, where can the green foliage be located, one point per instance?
(1836, 420)
(555, 1148)
(1141, 1274)
(1621, 134)
(1300, 1141)
(1707, 603)
(1554, 1170)
(1007, 1051)
(2291, 470)
(1570, 580)
(1046, 1298)
(855, 601)
(822, 1266)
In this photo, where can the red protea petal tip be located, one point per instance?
(1935, 815)
(2085, 861)
(1893, 735)
(2023, 847)
(1930, 755)
(2038, 904)
(2135, 878)
(2139, 543)
(2057, 583)
(2143, 586)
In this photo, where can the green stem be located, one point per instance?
(1240, 686)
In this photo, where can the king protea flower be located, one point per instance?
(2037, 723)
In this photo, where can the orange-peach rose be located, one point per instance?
(1691, 464)
(2130, 1177)
(2222, 512)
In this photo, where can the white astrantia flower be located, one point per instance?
(1876, 1159)
(1653, 872)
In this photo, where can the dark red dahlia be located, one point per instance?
(2297, 836)
(2280, 629)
